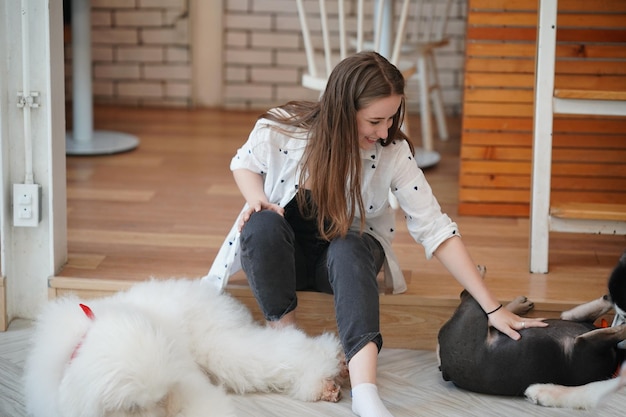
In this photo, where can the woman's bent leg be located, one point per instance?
(353, 263)
(268, 259)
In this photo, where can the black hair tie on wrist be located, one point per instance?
(494, 310)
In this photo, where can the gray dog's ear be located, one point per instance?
(617, 283)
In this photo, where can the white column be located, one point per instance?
(83, 140)
(30, 255)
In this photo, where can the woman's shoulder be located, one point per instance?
(277, 131)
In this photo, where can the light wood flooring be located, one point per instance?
(163, 210)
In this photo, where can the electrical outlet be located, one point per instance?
(26, 205)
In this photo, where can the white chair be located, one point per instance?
(576, 217)
(332, 30)
(426, 31)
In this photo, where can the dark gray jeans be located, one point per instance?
(278, 262)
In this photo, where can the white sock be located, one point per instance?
(367, 403)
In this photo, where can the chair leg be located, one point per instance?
(437, 99)
(423, 80)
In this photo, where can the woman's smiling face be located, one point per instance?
(374, 120)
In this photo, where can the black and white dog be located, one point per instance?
(571, 363)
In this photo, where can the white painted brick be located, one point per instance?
(289, 22)
(167, 72)
(449, 61)
(113, 36)
(237, 5)
(116, 71)
(291, 58)
(177, 90)
(102, 88)
(248, 91)
(177, 54)
(164, 4)
(275, 75)
(287, 93)
(247, 56)
(456, 28)
(275, 40)
(254, 78)
(138, 18)
(140, 89)
(236, 39)
(140, 54)
(276, 6)
(236, 74)
(101, 53)
(101, 18)
(247, 22)
(164, 36)
(113, 4)
(172, 17)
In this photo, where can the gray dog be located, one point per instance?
(570, 363)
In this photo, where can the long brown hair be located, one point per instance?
(332, 158)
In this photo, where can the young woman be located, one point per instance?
(316, 178)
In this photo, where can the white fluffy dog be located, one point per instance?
(168, 348)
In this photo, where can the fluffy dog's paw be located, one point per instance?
(541, 394)
(343, 377)
(520, 305)
(331, 391)
(552, 395)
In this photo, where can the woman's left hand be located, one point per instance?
(509, 323)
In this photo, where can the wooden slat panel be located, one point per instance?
(498, 95)
(530, 34)
(595, 6)
(509, 153)
(497, 109)
(500, 209)
(504, 65)
(527, 50)
(561, 124)
(498, 104)
(499, 195)
(523, 168)
(561, 197)
(591, 94)
(615, 212)
(559, 140)
(598, 184)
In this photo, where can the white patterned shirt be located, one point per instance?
(276, 156)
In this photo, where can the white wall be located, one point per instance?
(29, 255)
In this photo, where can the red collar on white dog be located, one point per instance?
(91, 316)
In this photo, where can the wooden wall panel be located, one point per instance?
(589, 154)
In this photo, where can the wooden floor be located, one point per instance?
(164, 209)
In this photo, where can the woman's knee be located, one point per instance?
(356, 247)
(264, 227)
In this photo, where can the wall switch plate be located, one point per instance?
(26, 205)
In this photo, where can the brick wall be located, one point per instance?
(142, 54)
(264, 56)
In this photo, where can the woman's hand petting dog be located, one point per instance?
(510, 323)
